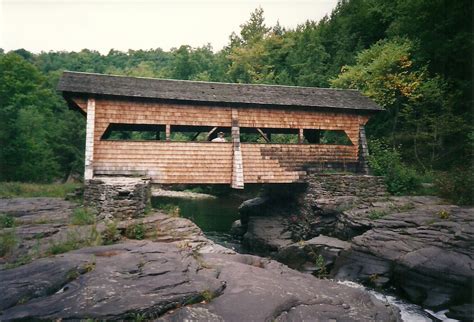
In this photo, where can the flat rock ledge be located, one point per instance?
(156, 280)
(176, 275)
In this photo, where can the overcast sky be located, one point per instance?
(44, 25)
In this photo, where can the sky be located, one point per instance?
(71, 25)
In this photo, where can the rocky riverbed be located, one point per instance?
(175, 273)
(420, 246)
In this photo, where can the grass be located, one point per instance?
(8, 241)
(83, 216)
(7, 221)
(74, 241)
(170, 209)
(28, 190)
(376, 214)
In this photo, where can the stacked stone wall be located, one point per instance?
(117, 198)
(330, 185)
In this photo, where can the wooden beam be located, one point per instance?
(210, 133)
(300, 136)
(264, 136)
(168, 132)
(195, 136)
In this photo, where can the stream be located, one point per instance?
(215, 218)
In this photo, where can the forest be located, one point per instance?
(413, 57)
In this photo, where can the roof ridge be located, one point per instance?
(209, 82)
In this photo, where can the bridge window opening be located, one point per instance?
(188, 133)
(334, 137)
(268, 135)
(134, 132)
(294, 136)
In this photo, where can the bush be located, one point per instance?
(111, 234)
(456, 185)
(136, 231)
(386, 161)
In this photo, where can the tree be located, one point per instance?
(419, 109)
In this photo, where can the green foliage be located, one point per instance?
(7, 221)
(83, 216)
(8, 241)
(207, 295)
(111, 234)
(321, 270)
(136, 231)
(28, 190)
(386, 161)
(376, 214)
(74, 240)
(444, 214)
(34, 125)
(22, 260)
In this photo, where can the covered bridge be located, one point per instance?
(164, 129)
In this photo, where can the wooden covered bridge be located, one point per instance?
(165, 129)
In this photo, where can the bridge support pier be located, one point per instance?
(117, 198)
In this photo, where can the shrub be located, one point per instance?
(320, 264)
(6, 221)
(386, 161)
(111, 233)
(136, 231)
(83, 216)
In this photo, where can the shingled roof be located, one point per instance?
(214, 93)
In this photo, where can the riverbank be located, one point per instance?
(163, 268)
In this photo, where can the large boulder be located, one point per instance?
(266, 235)
(426, 252)
(316, 255)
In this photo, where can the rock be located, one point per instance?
(277, 293)
(37, 210)
(426, 252)
(107, 282)
(258, 206)
(177, 275)
(461, 312)
(266, 235)
(303, 255)
(237, 230)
